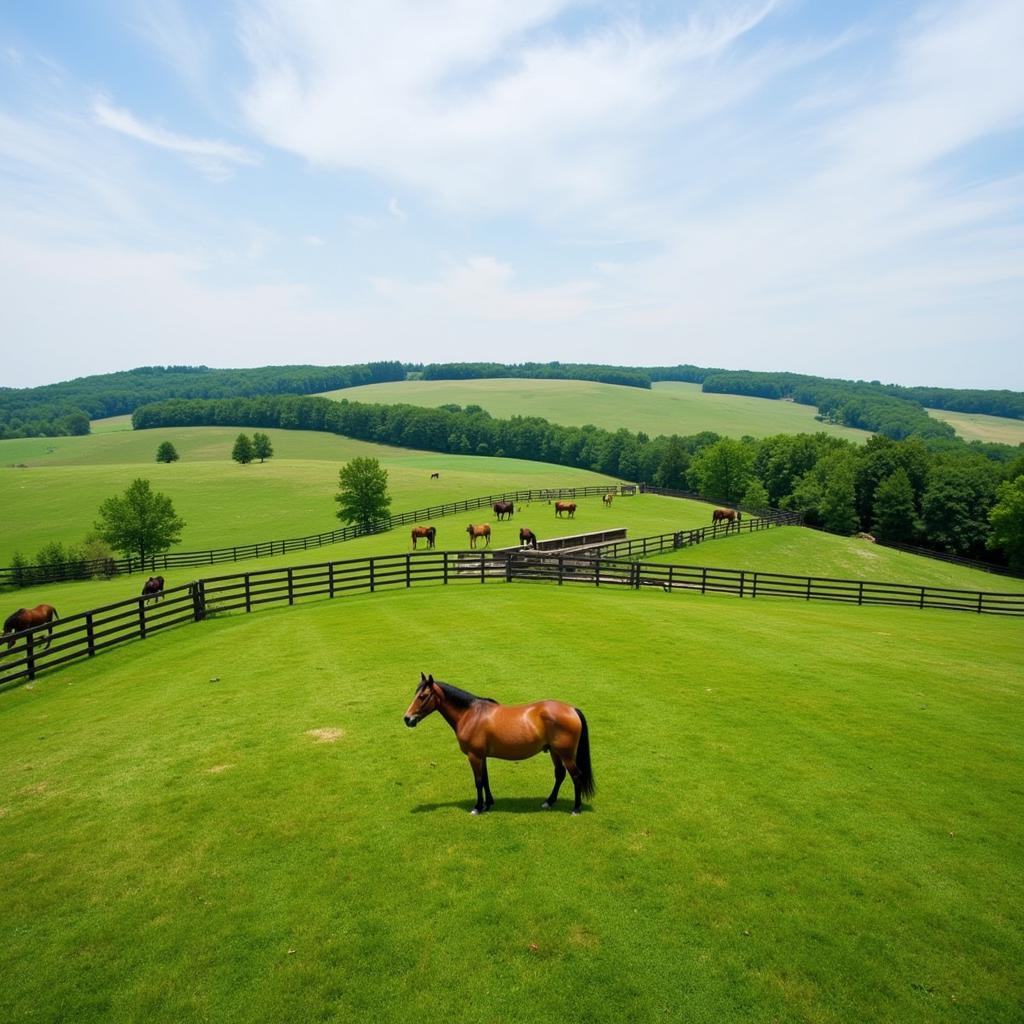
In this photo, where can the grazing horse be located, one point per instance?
(483, 530)
(607, 498)
(527, 538)
(503, 508)
(565, 506)
(427, 533)
(485, 728)
(435, 476)
(26, 618)
(727, 515)
(153, 588)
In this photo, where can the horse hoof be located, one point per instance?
(545, 806)
(476, 810)
(575, 814)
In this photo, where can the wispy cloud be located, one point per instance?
(212, 157)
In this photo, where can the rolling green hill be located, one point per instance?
(669, 407)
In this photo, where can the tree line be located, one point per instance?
(900, 490)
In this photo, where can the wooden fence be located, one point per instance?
(83, 569)
(88, 633)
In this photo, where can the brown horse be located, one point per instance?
(565, 506)
(485, 728)
(727, 515)
(435, 476)
(607, 498)
(503, 508)
(527, 538)
(153, 588)
(483, 530)
(427, 533)
(26, 618)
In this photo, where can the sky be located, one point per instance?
(828, 188)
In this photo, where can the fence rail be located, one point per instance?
(86, 569)
(88, 633)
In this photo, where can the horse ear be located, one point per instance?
(423, 678)
(430, 678)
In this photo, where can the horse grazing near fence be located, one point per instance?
(26, 618)
(427, 533)
(727, 515)
(527, 538)
(503, 508)
(485, 728)
(483, 530)
(607, 498)
(565, 506)
(153, 588)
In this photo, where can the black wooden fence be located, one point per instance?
(83, 569)
(86, 634)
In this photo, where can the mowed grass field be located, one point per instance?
(669, 407)
(977, 427)
(804, 813)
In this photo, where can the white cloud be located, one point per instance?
(211, 157)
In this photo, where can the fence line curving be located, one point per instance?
(87, 634)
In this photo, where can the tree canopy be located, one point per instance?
(139, 522)
(362, 496)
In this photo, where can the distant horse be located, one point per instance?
(153, 588)
(483, 530)
(527, 538)
(727, 515)
(503, 508)
(435, 476)
(485, 728)
(607, 498)
(26, 618)
(565, 506)
(427, 533)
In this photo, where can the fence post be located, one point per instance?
(808, 588)
(330, 579)
(30, 655)
(508, 569)
(980, 596)
(743, 580)
(704, 581)
(921, 603)
(198, 601)
(445, 567)
(291, 585)
(408, 570)
(248, 594)
(90, 634)
(373, 582)
(670, 575)
(142, 618)
(860, 592)
(482, 580)
(753, 588)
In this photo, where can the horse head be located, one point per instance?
(428, 699)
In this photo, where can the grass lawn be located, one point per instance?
(803, 552)
(669, 407)
(804, 813)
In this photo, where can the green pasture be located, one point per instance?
(804, 813)
(973, 426)
(51, 488)
(669, 407)
(798, 551)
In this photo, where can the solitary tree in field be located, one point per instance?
(139, 522)
(261, 446)
(243, 450)
(362, 492)
(167, 452)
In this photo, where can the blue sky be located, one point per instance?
(829, 188)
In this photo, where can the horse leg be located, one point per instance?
(479, 766)
(559, 778)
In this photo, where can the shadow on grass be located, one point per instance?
(509, 805)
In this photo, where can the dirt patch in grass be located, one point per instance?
(218, 768)
(326, 735)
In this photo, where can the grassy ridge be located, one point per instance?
(804, 813)
(978, 427)
(668, 407)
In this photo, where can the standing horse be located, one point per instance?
(565, 506)
(26, 618)
(435, 476)
(483, 530)
(607, 498)
(503, 508)
(153, 588)
(527, 538)
(727, 515)
(427, 533)
(485, 728)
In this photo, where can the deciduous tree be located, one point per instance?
(243, 450)
(167, 452)
(362, 495)
(139, 522)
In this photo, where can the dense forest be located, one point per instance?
(900, 490)
(66, 408)
(889, 409)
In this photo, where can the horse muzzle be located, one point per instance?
(410, 720)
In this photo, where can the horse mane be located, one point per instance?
(460, 698)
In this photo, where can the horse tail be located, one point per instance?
(54, 610)
(587, 784)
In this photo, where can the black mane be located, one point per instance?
(460, 698)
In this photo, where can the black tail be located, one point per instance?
(587, 784)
